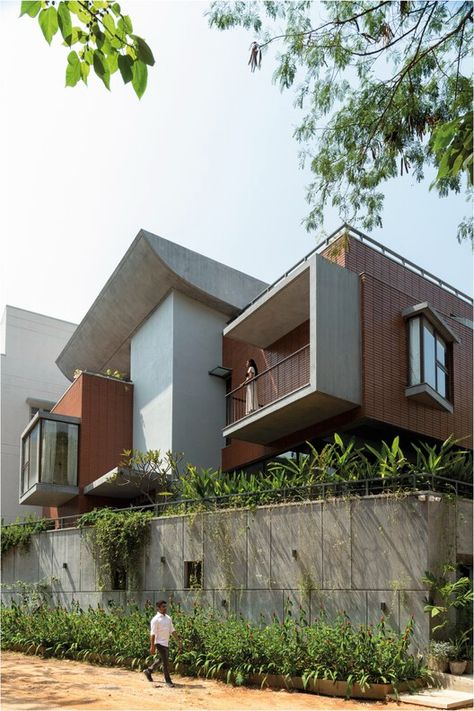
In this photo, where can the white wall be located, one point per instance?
(30, 344)
(198, 398)
(151, 369)
(178, 406)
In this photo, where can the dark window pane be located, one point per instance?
(429, 355)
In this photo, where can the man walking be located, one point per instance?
(161, 628)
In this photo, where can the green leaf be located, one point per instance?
(125, 25)
(112, 62)
(125, 66)
(64, 20)
(30, 8)
(73, 70)
(85, 69)
(139, 77)
(101, 68)
(143, 51)
(109, 24)
(116, 9)
(48, 21)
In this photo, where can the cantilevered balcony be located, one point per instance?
(315, 382)
(289, 375)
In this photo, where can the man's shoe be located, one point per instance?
(170, 684)
(148, 675)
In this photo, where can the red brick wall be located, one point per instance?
(386, 288)
(105, 406)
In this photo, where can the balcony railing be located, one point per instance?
(272, 384)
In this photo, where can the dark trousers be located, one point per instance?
(163, 660)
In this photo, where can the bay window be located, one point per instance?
(429, 357)
(49, 451)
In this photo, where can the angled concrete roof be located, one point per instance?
(150, 269)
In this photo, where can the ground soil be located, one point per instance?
(35, 684)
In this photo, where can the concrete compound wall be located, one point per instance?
(353, 555)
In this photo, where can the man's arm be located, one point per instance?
(152, 644)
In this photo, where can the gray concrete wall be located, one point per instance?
(364, 556)
(197, 348)
(29, 376)
(336, 331)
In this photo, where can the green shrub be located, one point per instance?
(209, 644)
(19, 533)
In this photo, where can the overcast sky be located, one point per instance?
(205, 159)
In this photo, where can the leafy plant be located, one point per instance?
(151, 473)
(439, 650)
(384, 89)
(20, 533)
(390, 459)
(210, 644)
(449, 594)
(103, 36)
(117, 537)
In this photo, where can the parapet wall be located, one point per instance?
(366, 556)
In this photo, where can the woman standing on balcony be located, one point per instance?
(251, 399)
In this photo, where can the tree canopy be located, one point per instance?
(103, 36)
(383, 90)
(384, 86)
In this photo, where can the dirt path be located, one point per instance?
(34, 684)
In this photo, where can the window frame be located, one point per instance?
(445, 367)
(37, 422)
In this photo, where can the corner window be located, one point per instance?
(49, 453)
(428, 357)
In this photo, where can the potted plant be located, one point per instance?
(438, 656)
(457, 665)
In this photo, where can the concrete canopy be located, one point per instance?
(150, 269)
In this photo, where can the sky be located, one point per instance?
(205, 159)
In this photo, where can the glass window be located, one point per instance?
(440, 351)
(429, 371)
(414, 376)
(30, 459)
(59, 447)
(442, 382)
(59, 453)
(428, 356)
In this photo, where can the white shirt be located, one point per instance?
(161, 626)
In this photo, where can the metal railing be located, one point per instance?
(426, 486)
(286, 376)
(377, 246)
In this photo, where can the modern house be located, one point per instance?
(353, 339)
(29, 380)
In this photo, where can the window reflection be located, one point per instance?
(58, 443)
(428, 356)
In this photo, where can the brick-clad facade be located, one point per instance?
(387, 288)
(105, 407)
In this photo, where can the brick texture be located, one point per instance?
(105, 406)
(387, 287)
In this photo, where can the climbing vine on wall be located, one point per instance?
(117, 539)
